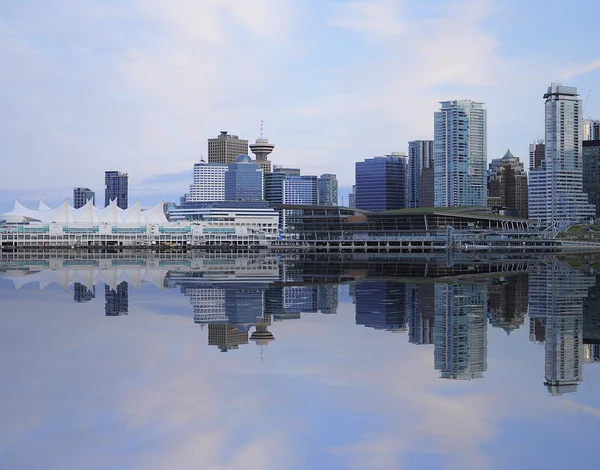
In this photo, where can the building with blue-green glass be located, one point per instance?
(327, 189)
(460, 154)
(381, 183)
(116, 187)
(244, 180)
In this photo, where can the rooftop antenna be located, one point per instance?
(261, 128)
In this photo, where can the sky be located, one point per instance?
(140, 85)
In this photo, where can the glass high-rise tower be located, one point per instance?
(116, 187)
(420, 155)
(327, 190)
(81, 196)
(556, 196)
(460, 154)
(381, 183)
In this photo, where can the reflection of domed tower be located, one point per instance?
(261, 149)
(261, 335)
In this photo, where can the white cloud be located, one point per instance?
(580, 69)
(140, 85)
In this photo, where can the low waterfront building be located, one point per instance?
(112, 226)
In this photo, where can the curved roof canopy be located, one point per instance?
(88, 214)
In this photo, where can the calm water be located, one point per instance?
(221, 362)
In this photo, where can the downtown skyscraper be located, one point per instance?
(556, 196)
(381, 183)
(225, 148)
(116, 186)
(420, 156)
(460, 154)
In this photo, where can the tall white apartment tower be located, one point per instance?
(420, 155)
(556, 194)
(209, 183)
(460, 154)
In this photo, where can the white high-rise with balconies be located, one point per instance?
(460, 154)
(556, 196)
(208, 184)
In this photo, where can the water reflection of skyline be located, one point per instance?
(238, 299)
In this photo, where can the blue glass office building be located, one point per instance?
(116, 186)
(300, 190)
(381, 183)
(244, 180)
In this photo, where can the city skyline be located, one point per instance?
(115, 101)
(240, 304)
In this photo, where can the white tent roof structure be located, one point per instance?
(88, 214)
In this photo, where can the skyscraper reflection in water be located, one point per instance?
(381, 305)
(420, 311)
(116, 302)
(556, 296)
(507, 302)
(460, 333)
(82, 294)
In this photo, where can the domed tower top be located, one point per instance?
(261, 148)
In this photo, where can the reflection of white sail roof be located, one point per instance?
(64, 213)
(87, 277)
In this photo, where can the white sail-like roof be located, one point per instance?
(110, 214)
(85, 214)
(155, 215)
(88, 214)
(42, 206)
(132, 215)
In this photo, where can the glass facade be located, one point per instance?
(591, 172)
(460, 331)
(116, 186)
(460, 154)
(381, 305)
(300, 190)
(244, 181)
(556, 195)
(273, 187)
(81, 196)
(381, 183)
(420, 156)
(327, 190)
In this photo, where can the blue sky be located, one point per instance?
(139, 85)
